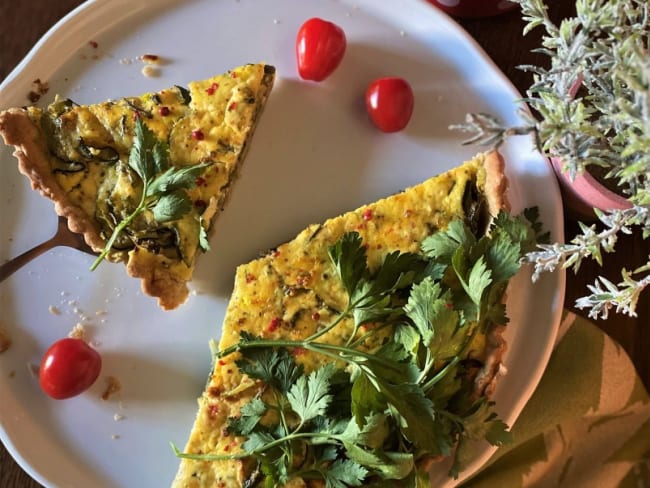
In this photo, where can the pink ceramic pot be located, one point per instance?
(585, 193)
(474, 8)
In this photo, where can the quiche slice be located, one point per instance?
(292, 293)
(82, 158)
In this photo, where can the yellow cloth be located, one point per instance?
(586, 425)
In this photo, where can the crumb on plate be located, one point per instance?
(5, 339)
(112, 387)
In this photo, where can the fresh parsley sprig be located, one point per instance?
(408, 400)
(164, 187)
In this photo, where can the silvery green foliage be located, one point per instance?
(590, 107)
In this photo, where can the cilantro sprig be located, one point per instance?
(164, 187)
(395, 406)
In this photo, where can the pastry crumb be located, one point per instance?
(150, 71)
(54, 310)
(5, 339)
(78, 332)
(151, 59)
(115, 436)
(39, 88)
(117, 417)
(113, 386)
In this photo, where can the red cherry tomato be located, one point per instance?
(69, 367)
(320, 46)
(389, 102)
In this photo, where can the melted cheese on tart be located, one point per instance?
(81, 162)
(293, 291)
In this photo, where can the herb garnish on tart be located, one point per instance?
(142, 178)
(367, 347)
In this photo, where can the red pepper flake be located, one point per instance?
(449, 305)
(226, 448)
(93, 44)
(408, 212)
(274, 324)
(367, 215)
(303, 279)
(221, 362)
(232, 106)
(198, 135)
(213, 410)
(250, 278)
(298, 351)
(200, 203)
(315, 316)
(163, 111)
(233, 74)
(200, 181)
(136, 116)
(275, 253)
(212, 88)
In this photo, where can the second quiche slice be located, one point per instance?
(288, 404)
(189, 143)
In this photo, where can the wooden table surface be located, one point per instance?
(22, 24)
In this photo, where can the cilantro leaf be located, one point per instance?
(349, 258)
(481, 423)
(372, 433)
(251, 414)
(275, 367)
(442, 245)
(141, 158)
(421, 308)
(414, 411)
(257, 441)
(174, 179)
(309, 397)
(502, 257)
(388, 465)
(171, 206)
(398, 270)
(341, 474)
(474, 279)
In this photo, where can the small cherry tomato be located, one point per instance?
(69, 367)
(320, 46)
(389, 102)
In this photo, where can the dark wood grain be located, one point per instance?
(24, 22)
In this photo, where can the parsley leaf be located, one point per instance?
(275, 367)
(309, 397)
(349, 258)
(164, 187)
(341, 474)
(403, 400)
(251, 414)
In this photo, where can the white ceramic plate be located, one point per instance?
(315, 155)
